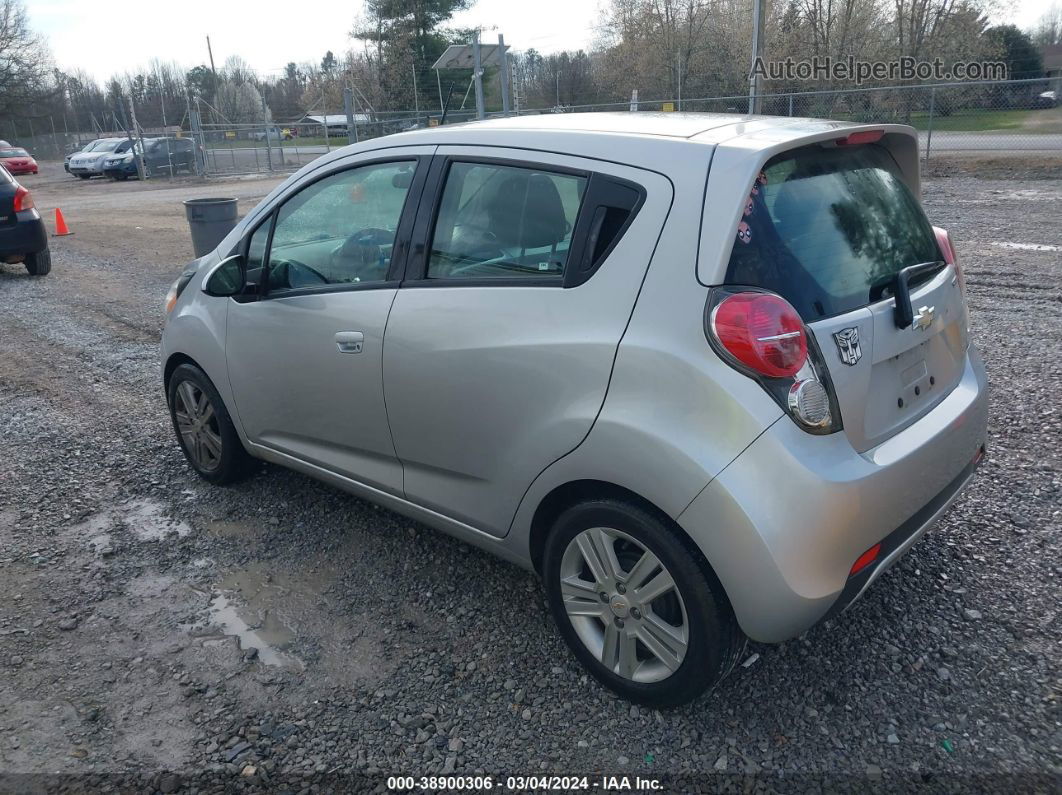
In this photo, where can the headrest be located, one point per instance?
(527, 212)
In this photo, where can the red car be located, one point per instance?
(18, 161)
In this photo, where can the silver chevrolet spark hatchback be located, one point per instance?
(709, 376)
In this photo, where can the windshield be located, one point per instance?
(13, 153)
(828, 229)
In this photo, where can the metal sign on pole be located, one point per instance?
(504, 74)
(477, 75)
(473, 56)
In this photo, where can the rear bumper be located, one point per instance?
(783, 524)
(25, 236)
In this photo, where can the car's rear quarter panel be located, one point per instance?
(674, 415)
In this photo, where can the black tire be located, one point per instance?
(39, 264)
(234, 462)
(715, 641)
(84, 176)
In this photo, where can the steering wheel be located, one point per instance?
(363, 252)
(294, 268)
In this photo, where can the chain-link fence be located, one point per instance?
(1018, 118)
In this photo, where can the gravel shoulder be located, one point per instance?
(175, 634)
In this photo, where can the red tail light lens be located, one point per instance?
(23, 200)
(763, 332)
(947, 249)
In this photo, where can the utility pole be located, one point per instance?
(504, 75)
(416, 99)
(678, 65)
(268, 130)
(755, 81)
(141, 165)
(348, 108)
(477, 77)
(214, 93)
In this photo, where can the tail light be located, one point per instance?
(23, 200)
(947, 249)
(763, 332)
(761, 335)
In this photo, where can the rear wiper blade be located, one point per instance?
(903, 315)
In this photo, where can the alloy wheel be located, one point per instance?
(198, 425)
(624, 605)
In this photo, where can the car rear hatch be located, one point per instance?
(835, 228)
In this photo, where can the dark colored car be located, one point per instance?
(18, 160)
(160, 154)
(23, 237)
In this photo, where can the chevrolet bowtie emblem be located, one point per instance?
(924, 318)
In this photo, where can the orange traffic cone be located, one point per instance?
(60, 224)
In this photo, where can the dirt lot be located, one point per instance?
(160, 632)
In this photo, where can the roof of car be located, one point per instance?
(672, 125)
(701, 128)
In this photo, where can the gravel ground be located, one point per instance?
(158, 631)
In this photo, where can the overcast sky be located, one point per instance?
(104, 38)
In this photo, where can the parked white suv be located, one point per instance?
(708, 375)
(91, 160)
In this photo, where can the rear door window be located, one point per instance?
(499, 221)
(828, 229)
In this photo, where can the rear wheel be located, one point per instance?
(638, 607)
(203, 427)
(39, 264)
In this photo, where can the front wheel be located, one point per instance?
(636, 605)
(204, 429)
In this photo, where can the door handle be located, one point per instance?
(349, 341)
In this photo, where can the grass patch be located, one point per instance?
(973, 120)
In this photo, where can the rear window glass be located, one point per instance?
(13, 153)
(828, 229)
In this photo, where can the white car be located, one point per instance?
(90, 161)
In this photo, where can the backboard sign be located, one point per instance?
(459, 56)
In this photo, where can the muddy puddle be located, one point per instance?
(146, 519)
(149, 520)
(263, 611)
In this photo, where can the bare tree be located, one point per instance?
(1048, 29)
(25, 62)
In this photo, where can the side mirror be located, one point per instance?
(226, 278)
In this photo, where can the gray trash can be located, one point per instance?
(210, 220)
